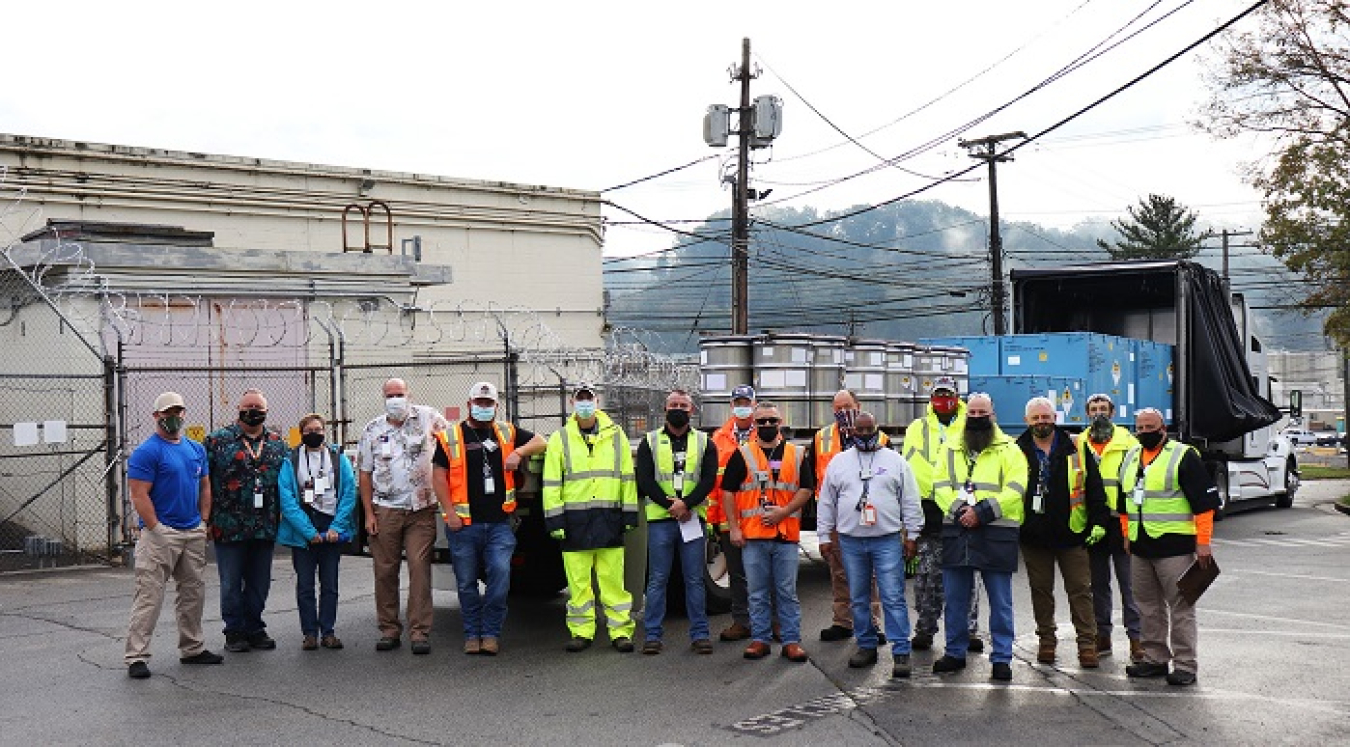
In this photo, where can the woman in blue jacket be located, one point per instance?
(318, 495)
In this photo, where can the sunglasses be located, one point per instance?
(767, 421)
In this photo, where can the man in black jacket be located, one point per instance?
(1065, 511)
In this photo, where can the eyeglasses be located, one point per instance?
(767, 421)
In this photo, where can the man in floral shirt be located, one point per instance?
(394, 480)
(245, 458)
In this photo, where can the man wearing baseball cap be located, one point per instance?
(170, 490)
(474, 476)
(737, 430)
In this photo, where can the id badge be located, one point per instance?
(678, 484)
(1038, 502)
(386, 449)
(257, 499)
(321, 484)
(309, 496)
(489, 446)
(489, 485)
(968, 493)
(869, 515)
(1138, 495)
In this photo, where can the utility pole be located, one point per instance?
(983, 149)
(740, 207)
(1226, 234)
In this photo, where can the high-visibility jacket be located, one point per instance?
(453, 442)
(663, 457)
(1108, 462)
(923, 438)
(1165, 508)
(826, 445)
(760, 489)
(724, 439)
(996, 478)
(589, 489)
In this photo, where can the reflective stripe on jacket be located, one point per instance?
(589, 490)
(997, 481)
(663, 458)
(724, 439)
(1108, 463)
(1165, 508)
(457, 475)
(827, 444)
(760, 489)
(924, 438)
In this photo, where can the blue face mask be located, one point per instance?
(742, 413)
(482, 414)
(585, 408)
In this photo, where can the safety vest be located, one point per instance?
(827, 445)
(761, 489)
(458, 477)
(580, 478)
(923, 439)
(724, 439)
(663, 456)
(996, 476)
(1108, 463)
(1165, 509)
(1077, 494)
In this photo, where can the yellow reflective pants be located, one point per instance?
(607, 563)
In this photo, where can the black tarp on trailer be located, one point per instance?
(1176, 302)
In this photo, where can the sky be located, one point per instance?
(591, 95)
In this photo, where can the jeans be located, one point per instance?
(663, 541)
(245, 570)
(771, 568)
(884, 557)
(959, 584)
(322, 558)
(482, 548)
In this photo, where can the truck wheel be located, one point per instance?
(1221, 482)
(1291, 483)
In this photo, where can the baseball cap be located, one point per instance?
(944, 382)
(1101, 397)
(483, 390)
(583, 387)
(744, 391)
(169, 400)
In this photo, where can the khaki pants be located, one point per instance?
(842, 608)
(400, 532)
(160, 553)
(1155, 591)
(1076, 571)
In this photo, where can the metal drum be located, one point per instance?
(901, 386)
(827, 377)
(956, 364)
(782, 367)
(724, 364)
(865, 376)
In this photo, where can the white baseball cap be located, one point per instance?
(169, 400)
(483, 390)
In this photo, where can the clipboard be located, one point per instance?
(1196, 580)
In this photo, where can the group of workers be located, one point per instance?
(958, 501)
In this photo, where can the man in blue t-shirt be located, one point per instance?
(167, 475)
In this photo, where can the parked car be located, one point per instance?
(1328, 438)
(1300, 436)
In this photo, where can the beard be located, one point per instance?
(1100, 431)
(977, 441)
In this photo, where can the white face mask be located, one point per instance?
(742, 413)
(585, 408)
(396, 407)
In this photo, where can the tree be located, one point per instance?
(1289, 78)
(1158, 228)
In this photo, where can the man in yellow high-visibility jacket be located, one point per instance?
(1167, 504)
(590, 501)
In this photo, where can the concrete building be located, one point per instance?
(1320, 376)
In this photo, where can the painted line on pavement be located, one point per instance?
(1250, 616)
(1288, 633)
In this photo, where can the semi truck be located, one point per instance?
(1220, 401)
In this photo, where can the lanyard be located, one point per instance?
(865, 475)
(769, 457)
(309, 466)
(262, 444)
(970, 471)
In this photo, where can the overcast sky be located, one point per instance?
(594, 94)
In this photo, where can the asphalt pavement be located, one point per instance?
(1274, 669)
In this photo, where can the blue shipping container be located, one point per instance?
(1011, 394)
(1103, 363)
(1153, 383)
(984, 352)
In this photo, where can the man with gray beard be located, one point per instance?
(1107, 444)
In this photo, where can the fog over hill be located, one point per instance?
(904, 271)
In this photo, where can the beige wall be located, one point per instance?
(507, 244)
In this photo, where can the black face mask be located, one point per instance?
(982, 423)
(252, 417)
(767, 433)
(312, 440)
(1151, 439)
(677, 418)
(1042, 430)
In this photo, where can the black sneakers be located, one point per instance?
(1002, 671)
(236, 643)
(1181, 678)
(202, 657)
(138, 670)
(976, 645)
(388, 643)
(261, 641)
(863, 657)
(921, 642)
(836, 633)
(1146, 669)
(948, 664)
